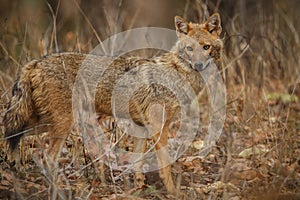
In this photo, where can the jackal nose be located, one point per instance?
(198, 66)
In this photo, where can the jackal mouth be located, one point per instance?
(199, 66)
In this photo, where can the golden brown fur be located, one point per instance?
(43, 91)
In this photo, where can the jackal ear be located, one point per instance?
(213, 24)
(182, 26)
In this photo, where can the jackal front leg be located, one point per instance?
(164, 161)
(139, 147)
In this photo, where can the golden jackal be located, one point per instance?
(42, 92)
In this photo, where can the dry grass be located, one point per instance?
(257, 156)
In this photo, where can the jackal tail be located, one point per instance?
(20, 107)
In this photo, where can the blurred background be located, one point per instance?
(261, 37)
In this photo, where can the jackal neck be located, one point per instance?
(173, 60)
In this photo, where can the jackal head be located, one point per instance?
(199, 44)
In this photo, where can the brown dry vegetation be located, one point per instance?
(257, 156)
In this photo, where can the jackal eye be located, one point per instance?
(189, 48)
(206, 47)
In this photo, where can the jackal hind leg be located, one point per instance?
(57, 137)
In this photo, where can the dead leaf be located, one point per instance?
(247, 153)
(198, 144)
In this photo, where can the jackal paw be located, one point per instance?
(139, 180)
